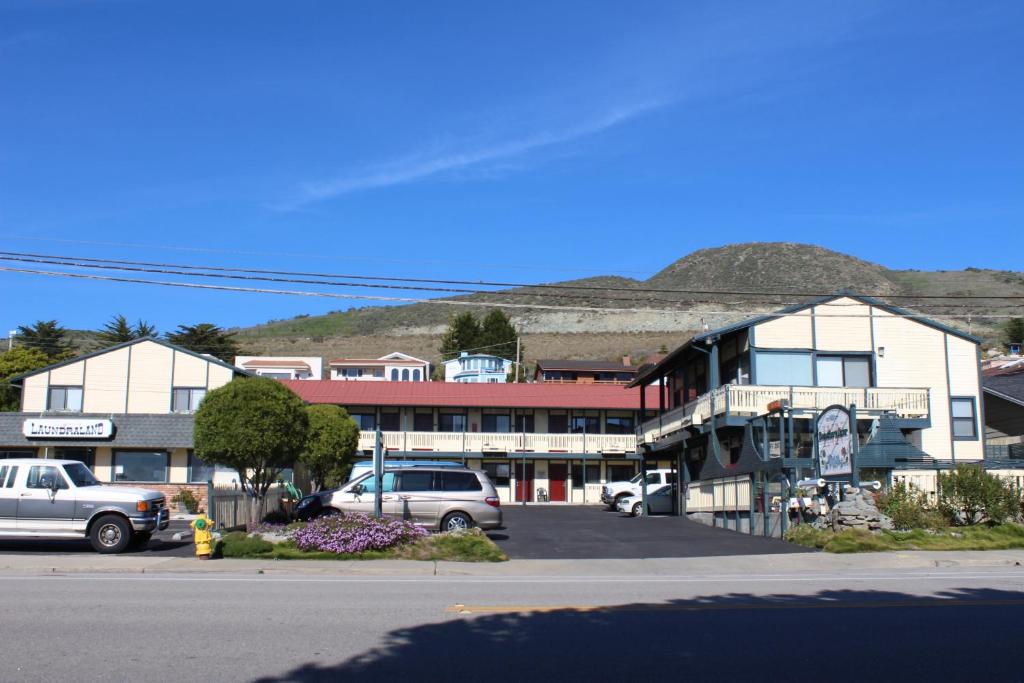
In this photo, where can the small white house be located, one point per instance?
(477, 368)
(282, 367)
(394, 367)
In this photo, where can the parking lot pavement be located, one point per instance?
(592, 532)
(161, 544)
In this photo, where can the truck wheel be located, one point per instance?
(110, 534)
(614, 505)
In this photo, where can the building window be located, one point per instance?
(524, 424)
(366, 421)
(621, 472)
(378, 372)
(495, 423)
(558, 423)
(619, 425)
(68, 399)
(843, 371)
(498, 472)
(86, 456)
(389, 422)
(394, 374)
(585, 424)
(199, 471)
(423, 422)
(187, 399)
(593, 475)
(785, 369)
(148, 466)
(965, 426)
(416, 375)
(275, 375)
(405, 375)
(451, 422)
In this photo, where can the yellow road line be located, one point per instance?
(668, 607)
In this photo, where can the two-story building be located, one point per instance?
(125, 411)
(737, 407)
(565, 439)
(584, 371)
(282, 367)
(394, 367)
(477, 368)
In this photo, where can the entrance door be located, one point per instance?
(557, 474)
(524, 482)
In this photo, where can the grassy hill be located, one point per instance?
(664, 317)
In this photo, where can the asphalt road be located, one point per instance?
(907, 625)
(592, 532)
(162, 543)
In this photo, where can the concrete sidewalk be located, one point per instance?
(13, 563)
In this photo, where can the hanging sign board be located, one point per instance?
(47, 428)
(835, 442)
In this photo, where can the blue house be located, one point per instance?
(477, 367)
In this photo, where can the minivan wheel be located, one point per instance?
(456, 521)
(638, 509)
(110, 534)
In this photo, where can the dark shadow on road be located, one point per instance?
(845, 635)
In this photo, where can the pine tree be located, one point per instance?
(498, 335)
(463, 334)
(47, 336)
(206, 338)
(1013, 331)
(118, 330)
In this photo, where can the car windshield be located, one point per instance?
(80, 475)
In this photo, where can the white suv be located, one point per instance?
(612, 492)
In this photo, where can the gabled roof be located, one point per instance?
(156, 340)
(789, 310)
(287, 364)
(584, 366)
(470, 395)
(887, 444)
(1007, 386)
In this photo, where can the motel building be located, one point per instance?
(553, 442)
(737, 408)
(125, 411)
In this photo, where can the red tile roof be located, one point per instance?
(468, 395)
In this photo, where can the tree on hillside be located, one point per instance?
(1013, 331)
(256, 426)
(46, 336)
(118, 330)
(331, 441)
(17, 361)
(463, 334)
(207, 338)
(498, 335)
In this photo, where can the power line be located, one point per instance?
(447, 302)
(233, 273)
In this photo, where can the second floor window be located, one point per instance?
(187, 399)
(65, 399)
(618, 425)
(495, 423)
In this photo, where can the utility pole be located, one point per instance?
(10, 339)
(518, 359)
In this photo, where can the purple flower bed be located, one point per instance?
(354, 533)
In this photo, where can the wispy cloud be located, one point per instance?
(420, 166)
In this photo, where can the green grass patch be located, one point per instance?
(470, 546)
(996, 537)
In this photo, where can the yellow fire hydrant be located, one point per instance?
(202, 527)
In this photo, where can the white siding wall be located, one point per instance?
(33, 393)
(189, 371)
(149, 390)
(106, 382)
(845, 333)
(789, 332)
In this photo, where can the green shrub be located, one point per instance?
(187, 499)
(808, 535)
(970, 495)
(909, 509)
(240, 544)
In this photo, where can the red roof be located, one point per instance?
(471, 395)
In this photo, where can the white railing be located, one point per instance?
(747, 399)
(494, 442)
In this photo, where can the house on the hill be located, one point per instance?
(477, 368)
(585, 371)
(282, 367)
(394, 367)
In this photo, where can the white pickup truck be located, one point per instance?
(613, 491)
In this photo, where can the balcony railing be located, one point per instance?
(494, 442)
(753, 400)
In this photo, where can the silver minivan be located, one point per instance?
(437, 498)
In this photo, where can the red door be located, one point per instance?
(557, 474)
(524, 482)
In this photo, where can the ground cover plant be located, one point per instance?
(358, 537)
(977, 537)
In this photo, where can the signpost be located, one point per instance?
(378, 472)
(834, 442)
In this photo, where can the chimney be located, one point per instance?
(626, 360)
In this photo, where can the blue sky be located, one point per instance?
(525, 141)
